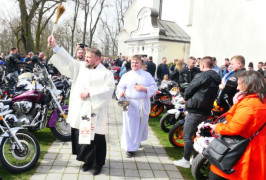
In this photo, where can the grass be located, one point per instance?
(173, 153)
(45, 138)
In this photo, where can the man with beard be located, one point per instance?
(80, 54)
(92, 89)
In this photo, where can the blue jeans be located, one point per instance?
(192, 121)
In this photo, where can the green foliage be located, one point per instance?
(170, 64)
(173, 153)
(45, 138)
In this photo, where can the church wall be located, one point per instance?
(173, 50)
(226, 28)
(160, 49)
(122, 46)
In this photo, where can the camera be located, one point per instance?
(81, 45)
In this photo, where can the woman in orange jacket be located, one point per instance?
(245, 118)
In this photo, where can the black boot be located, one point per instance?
(86, 167)
(97, 171)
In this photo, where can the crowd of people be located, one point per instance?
(240, 92)
(14, 60)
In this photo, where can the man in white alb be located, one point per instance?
(136, 86)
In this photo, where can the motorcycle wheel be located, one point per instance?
(62, 130)
(156, 110)
(15, 161)
(200, 167)
(176, 135)
(167, 121)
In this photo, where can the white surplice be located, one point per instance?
(99, 82)
(135, 120)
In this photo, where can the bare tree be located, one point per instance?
(121, 6)
(91, 12)
(10, 34)
(28, 10)
(42, 22)
(26, 16)
(13, 24)
(77, 3)
(112, 28)
(111, 33)
(93, 26)
(86, 7)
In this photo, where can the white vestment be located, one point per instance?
(99, 82)
(135, 120)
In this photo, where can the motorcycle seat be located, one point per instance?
(6, 102)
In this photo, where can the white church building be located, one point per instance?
(146, 34)
(219, 28)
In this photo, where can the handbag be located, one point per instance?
(224, 151)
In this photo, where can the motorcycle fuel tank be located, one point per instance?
(33, 96)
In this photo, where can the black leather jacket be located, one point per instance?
(201, 92)
(151, 68)
(160, 71)
(229, 90)
(11, 62)
(186, 75)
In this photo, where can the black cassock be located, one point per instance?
(88, 153)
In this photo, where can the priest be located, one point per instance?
(135, 86)
(92, 89)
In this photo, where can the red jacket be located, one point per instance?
(245, 118)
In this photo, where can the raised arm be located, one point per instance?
(63, 61)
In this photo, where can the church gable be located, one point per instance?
(147, 26)
(151, 28)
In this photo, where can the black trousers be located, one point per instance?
(89, 153)
(213, 176)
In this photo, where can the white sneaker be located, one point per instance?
(182, 163)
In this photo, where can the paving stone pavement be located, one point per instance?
(150, 162)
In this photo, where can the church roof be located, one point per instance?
(173, 32)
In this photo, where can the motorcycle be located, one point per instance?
(162, 99)
(176, 133)
(53, 70)
(116, 71)
(63, 84)
(19, 149)
(7, 85)
(31, 108)
(173, 115)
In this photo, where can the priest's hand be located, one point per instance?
(52, 41)
(139, 87)
(84, 95)
(122, 94)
